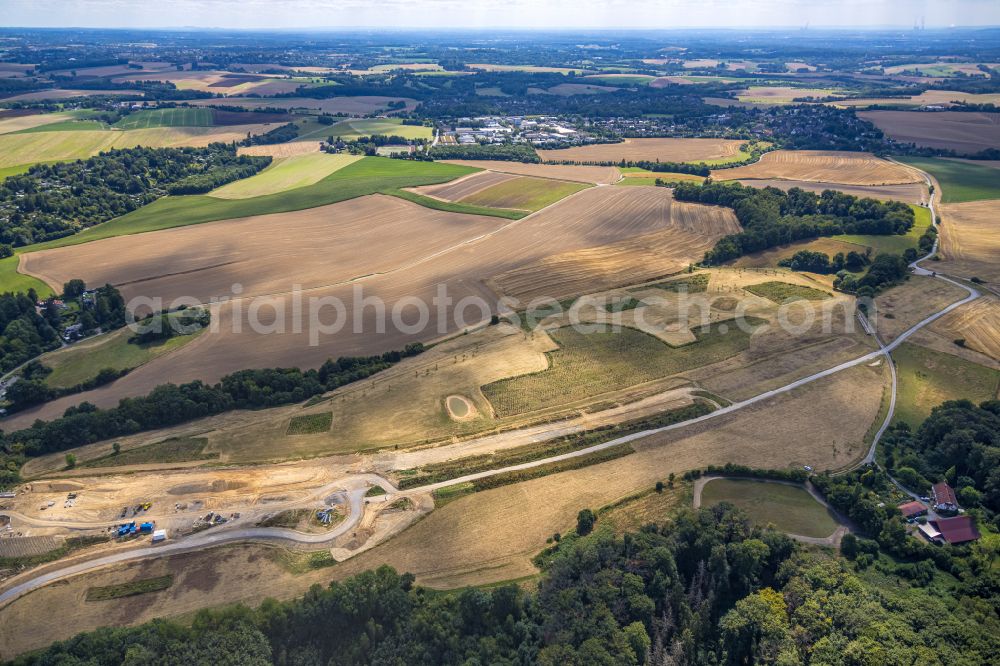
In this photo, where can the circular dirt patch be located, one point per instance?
(459, 408)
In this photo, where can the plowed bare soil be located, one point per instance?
(581, 174)
(965, 133)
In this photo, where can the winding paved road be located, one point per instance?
(356, 494)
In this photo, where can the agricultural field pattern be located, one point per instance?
(449, 346)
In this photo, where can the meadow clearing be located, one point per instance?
(964, 132)
(822, 166)
(662, 150)
(789, 508)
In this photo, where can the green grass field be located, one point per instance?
(524, 193)
(791, 509)
(894, 244)
(78, 363)
(11, 280)
(175, 449)
(927, 378)
(587, 365)
(66, 126)
(287, 173)
(179, 117)
(779, 292)
(960, 181)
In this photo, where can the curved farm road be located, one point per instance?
(356, 494)
(843, 525)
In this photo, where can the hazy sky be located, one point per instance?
(494, 13)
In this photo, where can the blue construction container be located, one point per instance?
(146, 528)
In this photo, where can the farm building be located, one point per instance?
(944, 498)
(912, 510)
(960, 529)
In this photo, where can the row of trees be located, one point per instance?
(170, 404)
(772, 217)
(279, 134)
(55, 200)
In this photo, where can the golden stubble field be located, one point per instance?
(653, 150)
(336, 250)
(823, 166)
(970, 240)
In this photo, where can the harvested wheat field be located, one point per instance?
(695, 230)
(914, 193)
(582, 174)
(970, 240)
(824, 167)
(290, 149)
(977, 323)
(901, 307)
(325, 245)
(206, 260)
(635, 150)
(965, 133)
(463, 187)
(494, 534)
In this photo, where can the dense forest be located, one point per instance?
(772, 217)
(702, 588)
(170, 404)
(55, 200)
